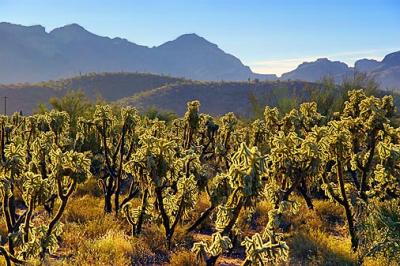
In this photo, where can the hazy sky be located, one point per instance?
(269, 36)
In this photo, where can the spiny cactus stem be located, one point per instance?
(28, 219)
(201, 219)
(142, 212)
(346, 205)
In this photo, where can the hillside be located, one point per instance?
(109, 86)
(217, 98)
(33, 55)
(166, 93)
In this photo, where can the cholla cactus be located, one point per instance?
(356, 148)
(168, 177)
(118, 138)
(269, 247)
(191, 120)
(259, 252)
(244, 184)
(337, 148)
(386, 175)
(354, 158)
(369, 126)
(209, 253)
(208, 130)
(272, 120)
(227, 129)
(294, 163)
(59, 124)
(43, 173)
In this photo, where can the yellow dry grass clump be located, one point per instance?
(315, 237)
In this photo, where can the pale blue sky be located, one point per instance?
(269, 36)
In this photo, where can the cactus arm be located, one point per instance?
(133, 191)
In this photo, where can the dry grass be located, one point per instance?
(83, 209)
(319, 248)
(315, 237)
(74, 233)
(113, 248)
(380, 261)
(261, 215)
(184, 258)
(90, 187)
(331, 215)
(106, 241)
(319, 236)
(3, 228)
(326, 216)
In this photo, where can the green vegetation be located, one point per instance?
(87, 184)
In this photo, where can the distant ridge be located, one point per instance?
(385, 72)
(314, 71)
(30, 54)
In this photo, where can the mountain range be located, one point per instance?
(386, 72)
(30, 54)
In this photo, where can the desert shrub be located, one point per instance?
(183, 258)
(318, 248)
(261, 213)
(80, 212)
(154, 236)
(379, 260)
(330, 214)
(3, 229)
(303, 220)
(91, 187)
(142, 253)
(163, 115)
(76, 234)
(114, 248)
(326, 216)
(182, 238)
(380, 232)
